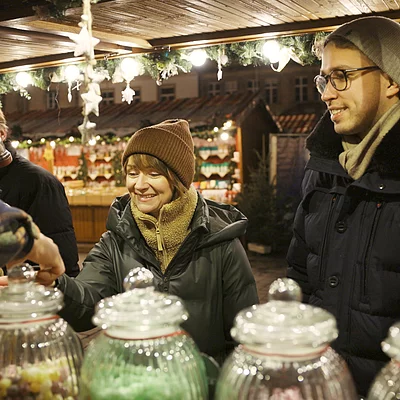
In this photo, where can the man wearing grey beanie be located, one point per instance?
(344, 251)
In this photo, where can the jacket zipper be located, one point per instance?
(365, 264)
(160, 245)
(322, 266)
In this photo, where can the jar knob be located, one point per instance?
(20, 276)
(139, 278)
(284, 289)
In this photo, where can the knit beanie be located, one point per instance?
(378, 38)
(169, 141)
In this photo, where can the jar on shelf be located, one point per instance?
(386, 385)
(142, 353)
(285, 352)
(41, 355)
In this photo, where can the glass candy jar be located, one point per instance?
(142, 353)
(386, 385)
(40, 355)
(284, 352)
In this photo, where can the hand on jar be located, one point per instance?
(44, 252)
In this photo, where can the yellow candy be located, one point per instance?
(54, 375)
(35, 387)
(5, 383)
(48, 395)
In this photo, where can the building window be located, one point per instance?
(214, 88)
(136, 97)
(271, 91)
(253, 85)
(167, 93)
(231, 86)
(301, 89)
(108, 97)
(51, 99)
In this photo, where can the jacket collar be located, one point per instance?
(325, 143)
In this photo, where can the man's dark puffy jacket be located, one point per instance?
(210, 272)
(345, 252)
(40, 194)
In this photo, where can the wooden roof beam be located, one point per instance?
(263, 32)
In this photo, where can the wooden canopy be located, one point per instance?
(31, 35)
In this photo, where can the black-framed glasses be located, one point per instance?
(338, 78)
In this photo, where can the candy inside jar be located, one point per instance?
(284, 352)
(142, 352)
(40, 354)
(386, 385)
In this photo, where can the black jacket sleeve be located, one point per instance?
(17, 233)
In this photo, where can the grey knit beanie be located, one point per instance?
(378, 38)
(169, 141)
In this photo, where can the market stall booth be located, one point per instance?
(227, 131)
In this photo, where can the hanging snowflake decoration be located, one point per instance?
(91, 95)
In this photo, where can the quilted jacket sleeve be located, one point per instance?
(17, 233)
(96, 281)
(298, 251)
(239, 286)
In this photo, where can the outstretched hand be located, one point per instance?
(44, 252)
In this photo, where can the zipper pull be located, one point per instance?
(159, 241)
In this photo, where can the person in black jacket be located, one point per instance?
(21, 239)
(345, 248)
(191, 245)
(40, 194)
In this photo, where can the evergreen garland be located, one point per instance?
(161, 65)
(301, 47)
(248, 53)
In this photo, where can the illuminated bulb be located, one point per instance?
(29, 141)
(15, 144)
(129, 68)
(71, 139)
(271, 50)
(42, 140)
(71, 73)
(23, 79)
(92, 141)
(98, 137)
(215, 129)
(224, 136)
(198, 57)
(53, 144)
(227, 124)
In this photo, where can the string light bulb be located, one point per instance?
(198, 57)
(271, 50)
(23, 79)
(224, 136)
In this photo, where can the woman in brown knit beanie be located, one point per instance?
(190, 244)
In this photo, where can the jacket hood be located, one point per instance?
(325, 143)
(216, 222)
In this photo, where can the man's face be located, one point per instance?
(355, 110)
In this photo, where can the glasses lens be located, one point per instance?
(320, 83)
(338, 80)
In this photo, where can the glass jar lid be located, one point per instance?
(284, 322)
(23, 299)
(391, 345)
(140, 308)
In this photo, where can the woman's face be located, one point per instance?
(149, 189)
